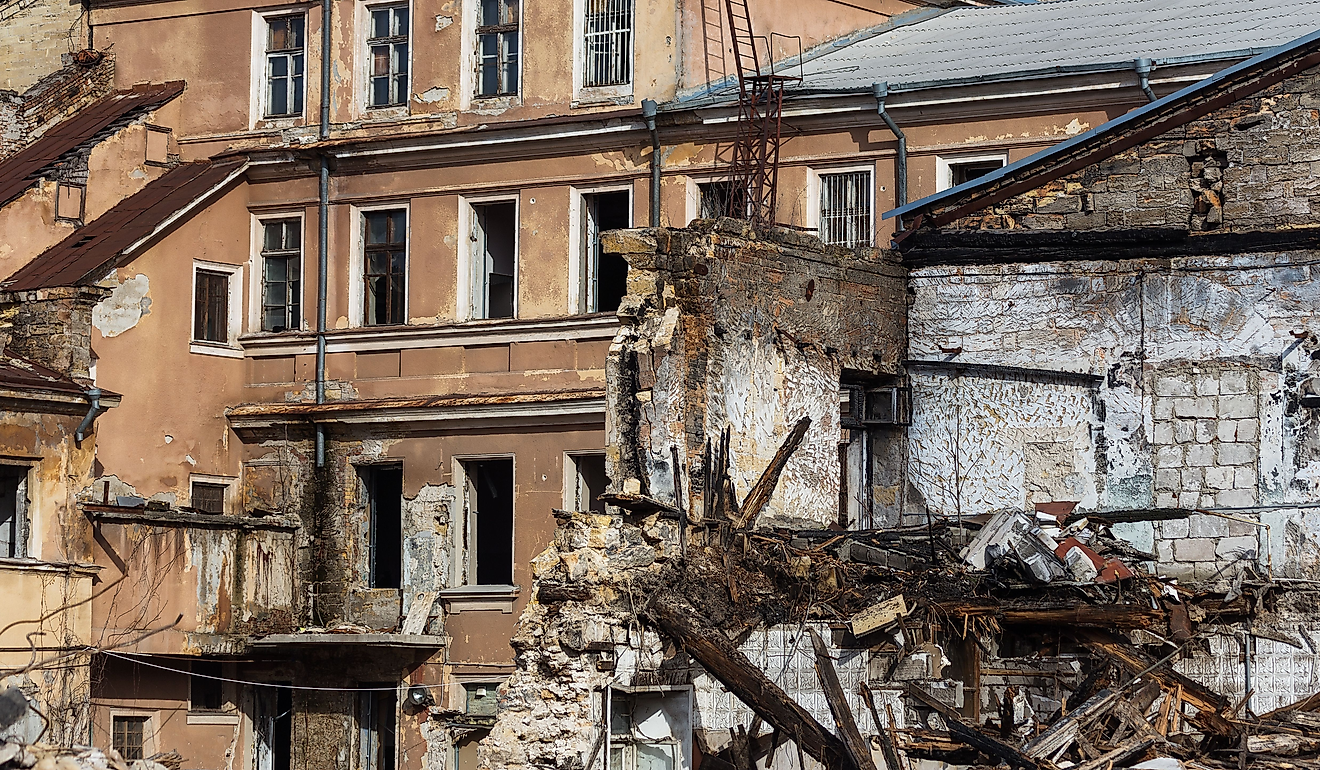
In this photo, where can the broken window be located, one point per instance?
(845, 209)
(489, 493)
(384, 486)
(605, 276)
(871, 453)
(284, 66)
(13, 514)
(716, 200)
(385, 264)
(377, 726)
(281, 271)
(205, 685)
(387, 49)
(589, 482)
(607, 46)
(650, 730)
(497, 47)
(128, 736)
(495, 259)
(208, 498)
(966, 172)
(211, 306)
(272, 723)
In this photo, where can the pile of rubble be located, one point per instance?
(41, 756)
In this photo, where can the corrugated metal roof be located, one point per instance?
(970, 44)
(24, 168)
(87, 254)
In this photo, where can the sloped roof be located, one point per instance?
(18, 373)
(22, 170)
(1018, 41)
(1197, 100)
(90, 251)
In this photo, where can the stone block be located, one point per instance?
(1219, 478)
(1173, 386)
(1166, 500)
(1233, 383)
(1191, 479)
(1207, 386)
(1189, 499)
(1237, 407)
(1233, 548)
(1226, 430)
(1164, 409)
(1240, 528)
(1167, 479)
(1194, 407)
(1236, 454)
(1205, 431)
(1237, 498)
(1174, 529)
(1244, 478)
(1201, 454)
(1169, 457)
(1207, 502)
(1247, 430)
(1184, 431)
(1164, 550)
(1163, 432)
(1200, 525)
(1194, 549)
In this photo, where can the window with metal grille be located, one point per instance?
(211, 306)
(607, 45)
(845, 209)
(208, 498)
(284, 66)
(281, 287)
(385, 260)
(128, 736)
(387, 47)
(497, 47)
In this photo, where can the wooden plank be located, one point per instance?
(887, 746)
(1111, 758)
(1062, 733)
(764, 488)
(878, 616)
(857, 746)
(419, 611)
(970, 736)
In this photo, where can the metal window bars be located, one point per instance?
(845, 209)
(607, 44)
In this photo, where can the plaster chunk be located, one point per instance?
(125, 306)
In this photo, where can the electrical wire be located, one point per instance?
(131, 659)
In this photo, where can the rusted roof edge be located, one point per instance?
(341, 407)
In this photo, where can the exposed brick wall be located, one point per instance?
(34, 35)
(52, 327)
(58, 95)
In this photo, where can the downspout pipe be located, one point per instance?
(881, 92)
(1144, 67)
(648, 114)
(323, 227)
(94, 410)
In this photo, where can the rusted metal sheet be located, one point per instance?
(340, 407)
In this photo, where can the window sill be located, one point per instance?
(475, 598)
(215, 349)
(212, 718)
(390, 112)
(603, 96)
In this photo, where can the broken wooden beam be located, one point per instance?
(970, 736)
(853, 741)
(1095, 616)
(1062, 733)
(760, 493)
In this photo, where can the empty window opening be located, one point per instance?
(497, 47)
(158, 146)
(717, 199)
(377, 725)
(871, 457)
(211, 307)
(607, 47)
(384, 486)
(589, 482)
(387, 49)
(845, 209)
(273, 725)
(960, 173)
(385, 255)
(284, 66)
(70, 202)
(650, 730)
(281, 275)
(495, 263)
(490, 505)
(13, 514)
(606, 275)
(208, 498)
(205, 686)
(128, 736)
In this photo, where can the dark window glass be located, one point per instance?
(490, 500)
(497, 47)
(284, 66)
(211, 308)
(387, 49)
(385, 266)
(128, 736)
(12, 534)
(966, 172)
(385, 540)
(281, 257)
(606, 275)
(208, 498)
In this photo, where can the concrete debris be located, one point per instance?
(41, 756)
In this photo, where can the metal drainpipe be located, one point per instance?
(1144, 68)
(881, 91)
(94, 410)
(323, 227)
(648, 114)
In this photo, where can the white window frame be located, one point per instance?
(607, 707)
(588, 95)
(464, 576)
(362, 87)
(467, 76)
(944, 166)
(149, 743)
(692, 206)
(814, 191)
(257, 98)
(230, 483)
(571, 475)
(467, 257)
(230, 348)
(257, 279)
(357, 262)
(579, 275)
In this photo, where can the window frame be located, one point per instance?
(572, 478)
(357, 263)
(367, 727)
(816, 189)
(944, 165)
(465, 537)
(148, 728)
(289, 54)
(580, 295)
(684, 744)
(234, 326)
(500, 30)
(257, 117)
(609, 93)
(468, 262)
(23, 525)
(364, 102)
(256, 317)
(230, 483)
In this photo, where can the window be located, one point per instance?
(385, 263)
(281, 275)
(205, 686)
(489, 498)
(377, 725)
(211, 306)
(384, 492)
(951, 172)
(497, 47)
(607, 46)
(716, 198)
(272, 723)
(845, 209)
(13, 514)
(871, 455)
(650, 730)
(495, 259)
(588, 482)
(70, 202)
(128, 735)
(158, 146)
(208, 498)
(284, 66)
(387, 50)
(606, 275)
